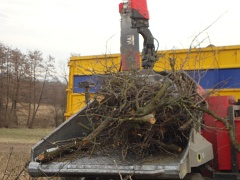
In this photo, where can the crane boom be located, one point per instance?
(139, 15)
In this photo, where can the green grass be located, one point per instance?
(23, 135)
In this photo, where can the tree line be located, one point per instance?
(28, 80)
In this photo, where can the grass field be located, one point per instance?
(22, 135)
(15, 148)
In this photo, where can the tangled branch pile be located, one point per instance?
(142, 113)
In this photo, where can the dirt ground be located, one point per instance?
(15, 149)
(13, 158)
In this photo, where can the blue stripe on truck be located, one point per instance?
(208, 79)
(217, 78)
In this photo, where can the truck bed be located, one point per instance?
(110, 166)
(162, 166)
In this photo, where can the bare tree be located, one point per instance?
(12, 73)
(63, 74)
(26, 81)
(2, 92)
(40, 71)
(56, 93)
(18, 74)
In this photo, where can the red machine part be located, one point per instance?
(216, 133)
(121, 7)
(140, 6)
(130, 60)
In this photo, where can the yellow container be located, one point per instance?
(201, 58)
(213, 67)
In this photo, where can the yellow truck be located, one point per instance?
(216, 68)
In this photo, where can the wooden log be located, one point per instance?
(185, 125)
(170, 147)
(152, 105)
(99, 98)
(104, 124)
(54, 152)
(51, 153)
(150, 118)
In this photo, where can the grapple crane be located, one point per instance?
(135, 19)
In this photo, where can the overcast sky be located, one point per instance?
(62, 27)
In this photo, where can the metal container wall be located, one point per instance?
(216, 69)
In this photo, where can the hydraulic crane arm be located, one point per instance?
(139, 20)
